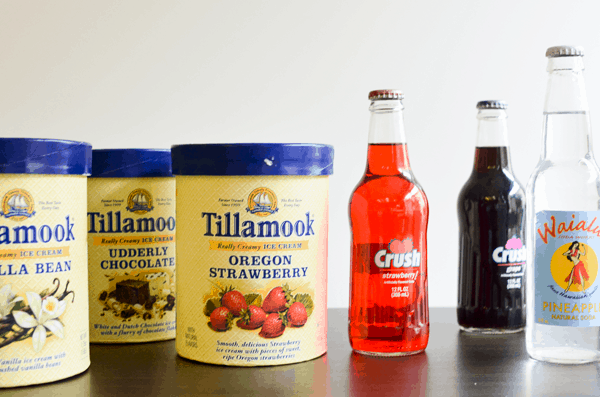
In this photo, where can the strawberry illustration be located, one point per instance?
(234, 301)
(296, 315)
(277, 299)
(274, 326)
(252, 318)
(220, 319)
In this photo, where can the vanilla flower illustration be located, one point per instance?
(7, 300)
(44, 317)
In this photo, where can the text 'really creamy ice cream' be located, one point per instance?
(131, 240)
(43, 260)
(252, 252)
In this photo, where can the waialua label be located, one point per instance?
(566, 268)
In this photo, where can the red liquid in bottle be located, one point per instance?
(389, 312)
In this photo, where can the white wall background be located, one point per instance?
(143, 73)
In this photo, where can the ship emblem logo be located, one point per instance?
(262, 202)
(140, 202)
(17, 205)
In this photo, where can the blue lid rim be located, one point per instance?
(308, 159)
(131, 163)
(42, 156)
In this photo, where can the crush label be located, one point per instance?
(399, 265)
(510, 258)
(566, 268)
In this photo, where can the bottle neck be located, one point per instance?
(492, 141)
(492, 128)
(387, 153)
(566, 117)
(490, 159)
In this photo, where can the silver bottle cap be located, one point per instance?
(385, 94)
(492, 105)
(564, 51)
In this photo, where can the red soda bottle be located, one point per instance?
(389, 312)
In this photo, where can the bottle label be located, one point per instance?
(399, 265)
(566, 268)
(510, 259)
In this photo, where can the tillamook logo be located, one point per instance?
(262, 202)
(140, 202)
(17, 205)
(113, 223)
(228, 225)
(34, 234)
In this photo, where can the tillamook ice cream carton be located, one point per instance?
(252, 252)
(131, 239)
(43, 260)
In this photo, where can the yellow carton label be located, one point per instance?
(43, 278)
(252, 263)
(131, 238)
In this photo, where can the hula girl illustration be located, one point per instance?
(579, 274)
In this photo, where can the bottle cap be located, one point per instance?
(44, 156)
(253, 159)
(131, 163)
(385, 94)
(493, 104)
(564, 51)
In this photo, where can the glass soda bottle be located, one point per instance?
(389, 314)
(563, 223)
(491, 214)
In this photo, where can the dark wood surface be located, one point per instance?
(453, 364)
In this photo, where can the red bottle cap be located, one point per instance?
(385, 94)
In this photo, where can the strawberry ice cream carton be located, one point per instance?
(252, 225)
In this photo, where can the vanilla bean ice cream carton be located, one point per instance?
(43, 260)
(252, 252)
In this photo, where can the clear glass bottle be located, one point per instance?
(563, 202)
(389, 313)
(491, 214)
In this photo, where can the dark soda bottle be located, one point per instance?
(389, 312)
(491, 214)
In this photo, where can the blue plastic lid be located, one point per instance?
(44, 156)
(131, 163)
(253, 159)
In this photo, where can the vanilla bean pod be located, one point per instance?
(9, 321)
